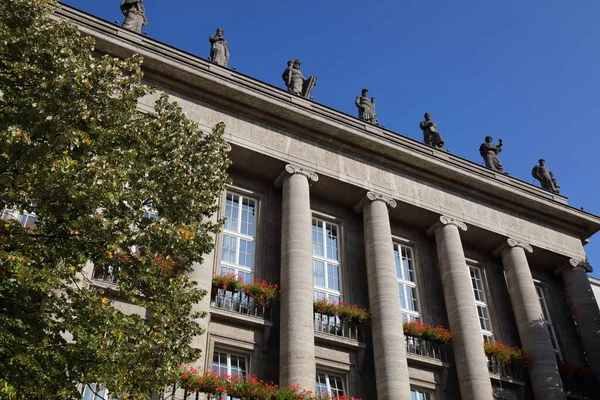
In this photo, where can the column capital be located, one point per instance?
(227, 147)
(373, 196)
(291, 169)
(445, 220)
(581, 263)
(509, 244)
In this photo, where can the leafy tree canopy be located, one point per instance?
(75, 151)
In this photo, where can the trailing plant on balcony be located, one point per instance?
(567, 369)
(261, 291)
(420, 330)
(248, 387)
(505, 353)
(346, 312)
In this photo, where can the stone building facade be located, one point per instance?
(328, 206)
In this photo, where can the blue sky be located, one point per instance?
(524, 71)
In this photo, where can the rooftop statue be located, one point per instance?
(431, 136)
(543, 174)
(556, 185)
(366, 107)
(489, 152)
(135, 15)
(295, 81)
(219, 53)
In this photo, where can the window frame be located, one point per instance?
(427, 395)
(487, 335)
(540, 290)
(327, 291)
(330, 374)
(8, 214)
(238, 236)
(406, 283)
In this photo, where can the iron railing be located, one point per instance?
(425, 348)
(333, 325)
(238, 302)
(504, 369)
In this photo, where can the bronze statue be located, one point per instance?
(545, 176)
(295, 81)
(219, 53)
(366, 107)
(135, 15)
(431, 136)
(489, 152)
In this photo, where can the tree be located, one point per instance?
(75, 151)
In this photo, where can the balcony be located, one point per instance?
(579, 387)
(239, 303)
(506, 371)
(333, 325)
(425, 348)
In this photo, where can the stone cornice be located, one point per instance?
(445, 220)
(198, 78)
(372, 196)
(509, 244)
(293, 169)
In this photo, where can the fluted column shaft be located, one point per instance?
(585, 309)
(297, 350)
(543, 370)
(471, 362)
(391, 368)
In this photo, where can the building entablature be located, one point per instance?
(274, 123)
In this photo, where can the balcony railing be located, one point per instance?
(579, 386)
(238, 302)
(503, 369)
(425, 348)
(332, 325)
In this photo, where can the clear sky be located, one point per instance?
(524, 71)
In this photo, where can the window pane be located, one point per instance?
(319, 273)
(332, 242)
(317, 237)
(397, 260)
(229, 249)
(246, 253)
(231, 212)
(333, 277)
(412, 299)
(248, 215)
(402, 297)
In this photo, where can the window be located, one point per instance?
(330, 385)
(326, 260)
(238, 249)
(108, 274)
(548, 322)
(94, 391)
(407, 282)
(26, 219)
(483, 311)
(230, 365)
(417, 394)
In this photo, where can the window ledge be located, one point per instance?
(428, 361)
(339, 341)
(242, 318)
(104, 285)
(507, 379)
(577, 396)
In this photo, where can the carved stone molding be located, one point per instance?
(585, 264)
(445, 220)
(372, 196)
(227, 147)
(510, 243)
(293, 169)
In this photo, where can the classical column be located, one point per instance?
(585, 309)
(467, 343)
(297, 348)
(543, 370)
(391, 368)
